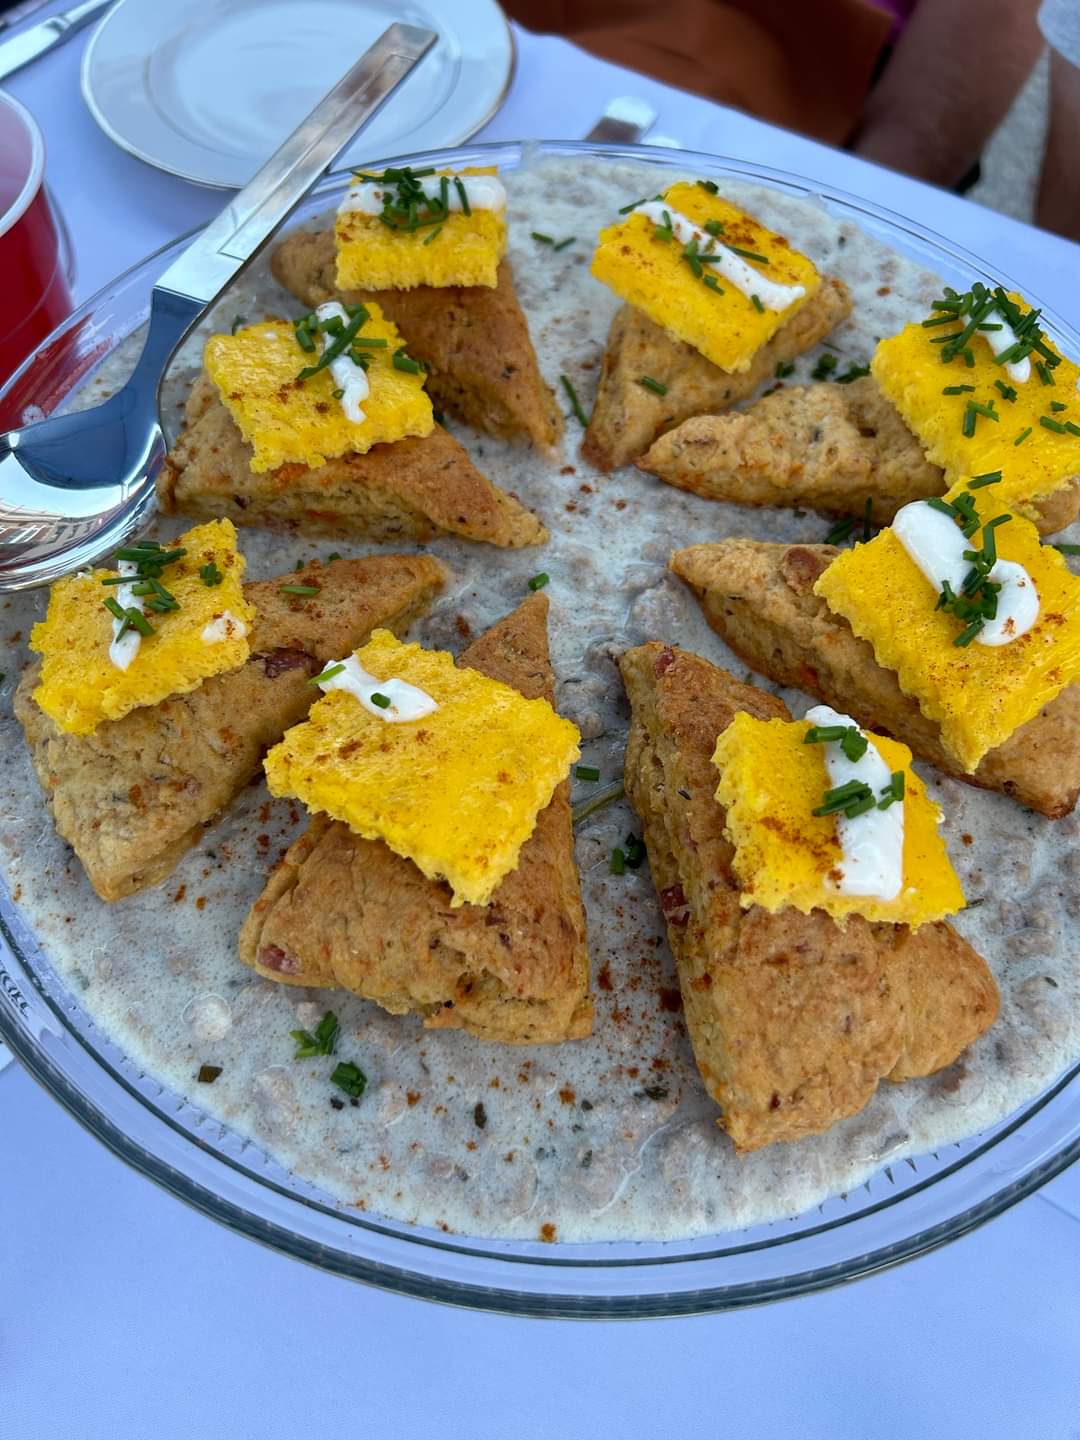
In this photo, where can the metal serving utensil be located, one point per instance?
(74, 486)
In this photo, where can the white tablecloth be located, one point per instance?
(123, 1314)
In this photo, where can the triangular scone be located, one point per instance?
(346, 912)
(627, 416)
(132, 797)
(760, 599)
(826, 446)
(474, 340)
(410, 490)
(793, 1019)
(829, 447)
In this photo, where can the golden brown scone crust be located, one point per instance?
(411, 490)
(136, 794)
(829, 447)
(474, 340)
(343, 911)
(793, 1019)
(759, 597)
(627, 417)
(826, 446)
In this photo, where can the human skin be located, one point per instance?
(952, 77)
(1058, 204)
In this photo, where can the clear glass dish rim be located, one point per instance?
(511, 1261)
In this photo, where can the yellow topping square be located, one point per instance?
(909, 370)
(301, 422)
(978, 694)
(458, 249)
(770, 784)
(457, 792)
(655, 275)
(81, 686)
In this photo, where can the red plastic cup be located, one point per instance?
(34, 295)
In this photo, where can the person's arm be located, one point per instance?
(1058, 205)
(953, 75)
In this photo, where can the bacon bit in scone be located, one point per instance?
(277, 662)
(673, 902)
(272, 957)
(664, 661)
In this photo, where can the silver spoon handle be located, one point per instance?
(210, 262)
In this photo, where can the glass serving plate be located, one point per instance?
(902, 1211)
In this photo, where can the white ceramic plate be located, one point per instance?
(207, 89)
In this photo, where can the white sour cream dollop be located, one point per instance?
(350, 378)
(123, 650)
(484, 192)
(732, 267)
(407, 702)
(936, 544)
(871, 844)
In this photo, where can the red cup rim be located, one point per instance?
(19, 206)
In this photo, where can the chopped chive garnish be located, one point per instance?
(977, 482)
(633, 205)
(957, 389)
(1048, 424)
(341, 339)
(758, 306)
(338, 394)
(334, 555)
(713, 284)
(379, 699)
(327, 674)
(654, 385)
(208, 1074)
(840, 532)
(350, 1078)
(824, 367)
(936, 503)
(749, 254)
(618, 861)
(714, 228)
(1057, 406)
(539, 581)
(575, 403)
(298, 589)
(635, 852)
(429, 238)
(405, 362)
(543, 239)
(967, 635)
(853, 372)
(1072, 427)
(321, 1042)
(1022, 436)
(824, 734)
(1044, 373)
(585, 808)
(587, 772)
(850, 798)
(238, 322)
(784, 368)
(562, 244)
(115, 609)
(849, 737)
(1007, 390)
(709, 185)
(459, 186)
(893, 791)
(1066, 549)
(868, 516)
